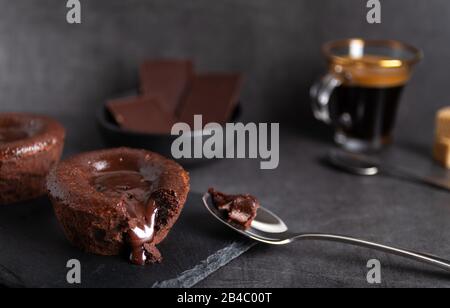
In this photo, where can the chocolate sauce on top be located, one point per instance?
(12, 134)
(134, 191)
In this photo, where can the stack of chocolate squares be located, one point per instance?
(171, 92)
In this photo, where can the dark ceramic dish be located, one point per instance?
(116, 136)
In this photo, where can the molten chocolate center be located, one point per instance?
(134, 192)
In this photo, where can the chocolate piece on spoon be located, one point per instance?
(241, 210)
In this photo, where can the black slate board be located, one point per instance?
(34, 251)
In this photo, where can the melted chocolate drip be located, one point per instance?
(139, 236)
(134, 192)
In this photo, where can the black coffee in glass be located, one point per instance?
(366, 113)
(361, 93)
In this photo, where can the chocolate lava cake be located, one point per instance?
(118, 200)
(29, 146)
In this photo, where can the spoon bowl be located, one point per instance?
(266, 227)
(359, 164)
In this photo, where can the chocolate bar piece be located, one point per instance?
(212, 95)
(141, 114)
(169, 80)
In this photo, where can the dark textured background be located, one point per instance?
(66, 70)
(46, 64)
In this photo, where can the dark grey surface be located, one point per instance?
(51, 67)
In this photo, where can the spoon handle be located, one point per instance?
(410, 175)
(421, 257)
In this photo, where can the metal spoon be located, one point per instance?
(270, 229)
(364, 165)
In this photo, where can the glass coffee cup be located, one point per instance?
(361, 92)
